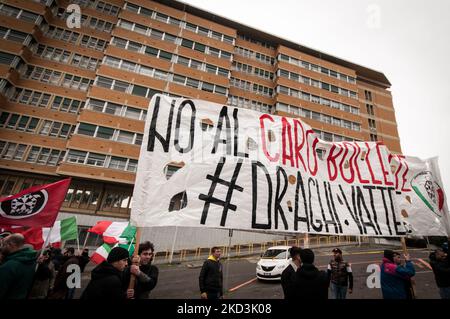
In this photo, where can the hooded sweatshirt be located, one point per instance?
(106, 283)
(311, 283)
(396, 279)
(16, 274)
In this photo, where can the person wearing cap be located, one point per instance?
(107, 278)
(396, 277)
(310, 282)
(289, 274)
(340, 276)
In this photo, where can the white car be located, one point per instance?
(273, 262)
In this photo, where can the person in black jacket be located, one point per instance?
(146, 274)
(289, 274)
(441, 269)
(311, 283)
(106, 279)
(211, 277)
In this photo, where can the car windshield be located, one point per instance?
(275, 254)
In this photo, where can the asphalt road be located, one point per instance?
(180, 281)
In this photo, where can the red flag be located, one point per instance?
(37, 206)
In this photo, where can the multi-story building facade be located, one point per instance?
(74, 97)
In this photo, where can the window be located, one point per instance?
(139, 90)
(96, 159)
(125, 137)
(207, 87)
(368, 95)
(105, 132)
(187, 43)
(369, 109)
(86, 129)
(76, 156)
(117, 163)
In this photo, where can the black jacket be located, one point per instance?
(106, 283)
(288, 278)
(311, 283)
(441, 270)
(211, 277)
(144, 283)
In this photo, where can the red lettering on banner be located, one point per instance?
(316, 140)
(369, 166)
(383, 169)
(402, 158)
(331, 160)
(263, 136)
(286, 128)
(297, 146)
(349, 162)
(361, 180)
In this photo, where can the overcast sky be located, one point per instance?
(409, 41)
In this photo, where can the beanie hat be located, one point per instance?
(116, 254)
(389, 254)
(307, 256)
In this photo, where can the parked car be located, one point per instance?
(273, 262)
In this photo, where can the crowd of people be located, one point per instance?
(25, 273)
(28, 274)
(303, 280)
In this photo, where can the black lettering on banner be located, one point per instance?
(362, 204)
(375, 215)
(191, 130)
(382, 189)
(226, 204)
(236, 135)
(296, 216)
(311, 217)
(331, 221)
(152, 131)
(336, 216)
(255, 225)
(279, 198)
(353, 214)
(396, 223)
(217, 138)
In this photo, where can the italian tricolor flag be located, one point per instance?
(102, 252)
(62, 230)
(114, 232)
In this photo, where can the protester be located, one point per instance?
(310, 283)
(43, 278)
(107, 278)
(289, 274)
(146, 274)
(396, 277)
(17, 269)
(84, 259)
(57, 257)
(211, 276)
(441, 269)
(60, 288)
(340, 276)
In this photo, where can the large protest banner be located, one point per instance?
(242, 169)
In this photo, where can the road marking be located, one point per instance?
(242, 285)
(424, 262)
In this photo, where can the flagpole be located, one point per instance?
(134, 260)
(43, 247)
(405, 252)
(86, 239)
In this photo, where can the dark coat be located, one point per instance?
(288, 282)
(16, 274)
(60, 286)
(311, 283)
(441, 270)
(106, 283)
(144, 283)
(211, 277)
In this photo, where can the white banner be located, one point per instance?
(241, 169)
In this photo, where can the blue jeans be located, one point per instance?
(444, 292)
(338, 292)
